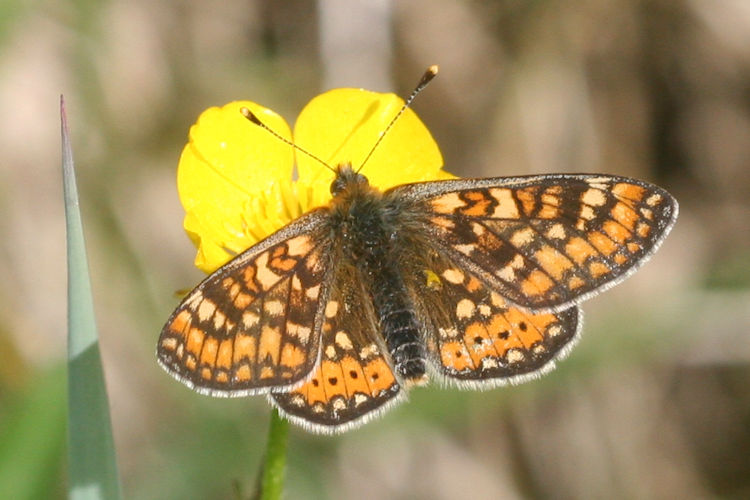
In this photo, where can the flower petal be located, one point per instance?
(343, 126)
(227, 165)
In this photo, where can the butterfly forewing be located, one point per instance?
(354, 379)
(545, 242)
(254, 323)
(475, 337)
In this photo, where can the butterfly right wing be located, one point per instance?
(354, 381)
(477, 339)
(254, 324)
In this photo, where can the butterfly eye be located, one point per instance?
(361, 179)
(337, 185)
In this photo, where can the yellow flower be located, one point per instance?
(235, 179)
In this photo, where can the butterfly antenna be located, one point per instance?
(255, 120)
(431, 72)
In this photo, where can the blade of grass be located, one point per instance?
(92, 472)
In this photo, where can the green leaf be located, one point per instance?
(92, 470)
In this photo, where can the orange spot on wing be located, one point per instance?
(575, 282)
(554, 262)
(473, 285)
(537, 283)
(313, 390)
(541, 321)
(502, 346)
(624, 215)
(506, 206)
(526, 328)
(195, 341)
(616, 232)
(280, 261)
(447, 203)
(478, 342)
(527, 197)
(548, 212)
(242, 300)
(264, 274)
(579, 250)
(292, 356)
(169, 343)
(453, 355)
(497, 325)
(249, 279)
(269, 344)
(549, 208)
(379, 375)
(224, 356)
(628, 191)
(244, 348)
(479, 204)
(243, 373)
(602, 243)
(181, 323)
(597, 269)
(333, 379)
(209, 351)
(299, 245)
(354, 376)
(190, 362)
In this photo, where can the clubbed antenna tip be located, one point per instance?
(431, 72)
(250, 116)
(427, 77)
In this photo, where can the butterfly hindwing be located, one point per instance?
(545, 242)
(254, 323)
(354, 380)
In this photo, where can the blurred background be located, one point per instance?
(653, 403)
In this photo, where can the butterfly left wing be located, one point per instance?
(354, 381)
(543, 242)
(255, 323)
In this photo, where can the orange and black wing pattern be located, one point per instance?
(545, 242)
(354, 381)
(255, 323)
(476, 339)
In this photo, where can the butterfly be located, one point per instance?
(475, 282)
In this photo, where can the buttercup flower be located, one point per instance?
(237, 181)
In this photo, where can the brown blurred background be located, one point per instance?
(653, 403)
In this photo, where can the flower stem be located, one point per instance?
(274, 466)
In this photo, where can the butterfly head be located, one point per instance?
(347, 179)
